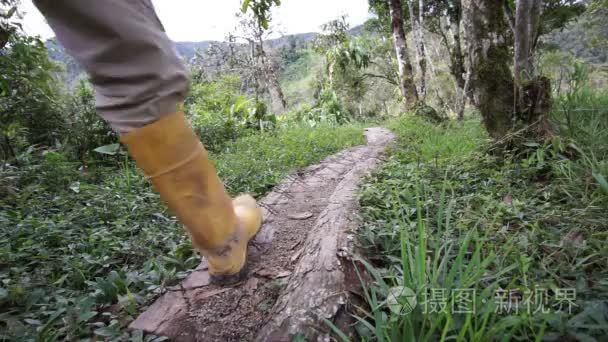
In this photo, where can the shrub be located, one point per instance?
(328, 110)
(85, 130)
(29, 111)
(219, 113)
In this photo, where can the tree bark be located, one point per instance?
(463, 97)
(532, 92)
(324, 280)
(491, 78)
(440, 101)
(509, 16)
(457, 67)
(276, 93)
(406, 73)
(522, 64)
(534, 28)
(453, 43)
(416, 22)
(457, 58)
(508, 103)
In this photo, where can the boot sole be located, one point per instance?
(230, 279)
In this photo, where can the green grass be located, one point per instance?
(443, 215)
(255, 163)
(83, 252)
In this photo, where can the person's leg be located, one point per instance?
(139, 83)
(131, 62)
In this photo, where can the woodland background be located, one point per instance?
(498, 180)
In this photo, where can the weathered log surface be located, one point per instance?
(298, 272)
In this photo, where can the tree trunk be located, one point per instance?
(509, 16)
(463, 97)
(504, 108)
(535, 24)
(416, 21)
(257, 78)
(532, 92)
(276, 93)
(491, 78)
(453, 18)
(440, 101)
(457, 68)
(302, 270)
(522, 66)
(406, 73)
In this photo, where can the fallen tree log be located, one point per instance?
(300, 274)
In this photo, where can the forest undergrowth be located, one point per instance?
(85, 250)
(493, 247)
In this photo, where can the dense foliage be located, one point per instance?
(84, 251)
(86, 245)
(519, 230)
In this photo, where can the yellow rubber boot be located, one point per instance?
(176, 162)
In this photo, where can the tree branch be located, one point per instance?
(388, 79)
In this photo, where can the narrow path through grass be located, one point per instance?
(83, 252)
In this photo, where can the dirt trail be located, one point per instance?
(297, 273)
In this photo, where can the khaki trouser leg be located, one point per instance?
(121, 44)
(139, 81)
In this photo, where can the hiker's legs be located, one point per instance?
(139, 82)
(131, 62)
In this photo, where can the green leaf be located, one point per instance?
(32, 321)
(160, 339)
(51, 321)
(137, 336)
(86, 316)
(299, 338)
(601, 180)
(106, 332)
(11, 12)
(75, 187)
(245, 6)
(4, 88)
(85, 309)
(336, 330)
(111, 149)
(65, 276)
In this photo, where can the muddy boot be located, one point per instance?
(176, 162)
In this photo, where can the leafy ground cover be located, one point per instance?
(493, 247)
(82, 252)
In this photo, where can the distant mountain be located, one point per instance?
(284, 41)
(186, 50)
(585, 37)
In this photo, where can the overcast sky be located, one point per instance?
(195, 20)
